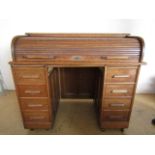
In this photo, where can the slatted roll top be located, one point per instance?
(67, 47)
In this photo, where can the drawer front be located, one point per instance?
(115, 74)
(79, 56)
(116, 104)
(115, 115)
(29, 75)
(32, 90)
(36, 116)
(37, 125)
(119, 90)
(34, 104)
(114, 124)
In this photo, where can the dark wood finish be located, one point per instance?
(47, 67)
(54, 88)
(78, 82)
(69, 84)
(37, 125)
(114, 124)
(99, 88)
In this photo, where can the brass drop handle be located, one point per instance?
(32, 91)
(121, 91)
(35, 105)
(116, 117)
(30, 76)
(117, 104)
(120, 76)
(39, 57)
(117, 57)
(36, 117)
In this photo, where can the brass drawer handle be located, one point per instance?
(116, 117)
(120, 76)
(30, 76)
(117, 57)
(122, 91)
(35, 105)
(39, 57)
(36, 117)
(32, 91)
(117, 104)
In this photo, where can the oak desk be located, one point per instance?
(103, 67)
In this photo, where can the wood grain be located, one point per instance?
(48, 67)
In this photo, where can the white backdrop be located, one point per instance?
(57, 18)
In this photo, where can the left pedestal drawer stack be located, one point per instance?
(32, 87)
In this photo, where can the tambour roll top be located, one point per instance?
(77, 47)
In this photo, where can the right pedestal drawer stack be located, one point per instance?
(118, 93)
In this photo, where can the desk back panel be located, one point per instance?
(78, 82)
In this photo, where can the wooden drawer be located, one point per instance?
(32, 90)
(36, 116)
(116, 104)
(123, 90)
(34, 104)
(37, 125)
(121, 74)
(78, 57)
(29, 75)
(114, 124)
(115, 115)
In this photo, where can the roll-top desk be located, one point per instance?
(49, 67)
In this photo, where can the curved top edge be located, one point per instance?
(80, 35)
(142, 43)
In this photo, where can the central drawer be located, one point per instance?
(32, 90)
(121, 74)
(122, 90)
(31, 104)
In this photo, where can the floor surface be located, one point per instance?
(75, 118)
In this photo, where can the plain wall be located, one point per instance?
(57, 23)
